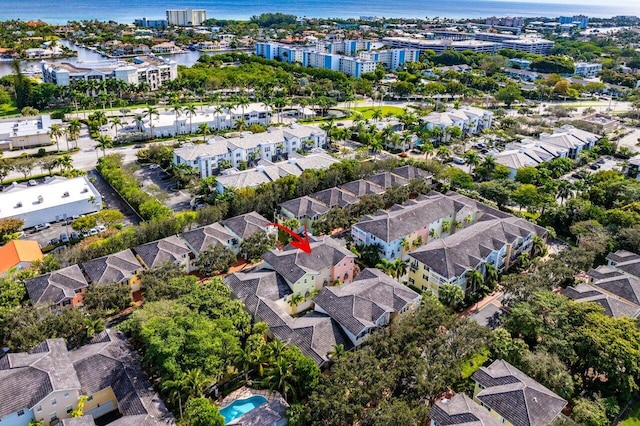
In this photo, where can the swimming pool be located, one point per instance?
(240, 407)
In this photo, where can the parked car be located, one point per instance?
(41, 226)
(458, 160)
(480, 145)
(64, 238)
(93, 231)
(154, 166)
(594, 167)
(32, 182)
(54, 241)
(600, 161)
(85, 234)
(75, 236)
(101, 228)
(138, 145)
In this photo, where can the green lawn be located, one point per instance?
(367, 112)
(634, 416)
(471, 366)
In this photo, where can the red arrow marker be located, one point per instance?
(301, 243)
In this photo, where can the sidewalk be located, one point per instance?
(490, 299)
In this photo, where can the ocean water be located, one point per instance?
(60, 11)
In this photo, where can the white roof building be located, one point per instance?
(56, 199)
(24, 132)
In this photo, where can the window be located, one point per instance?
(69, 408)
(39, 408)
(54, 402)
(90, 398)
(66, 394)
(21, 413)
(53, 416)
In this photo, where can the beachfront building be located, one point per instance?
(54, 200)
(274, 144)
(26, 132)
(168, 123)
(153, 70)
(327, 56)
(186, 17)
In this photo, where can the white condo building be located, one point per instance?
(152, 70)
(267, 146)
(167, 124)
(186, 17)
(56, 199)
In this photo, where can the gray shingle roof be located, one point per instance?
(57, 286)
(245, 225)
(305, 207)
(410, 172)
(156, 253)
(114, 268)
(360, 305)
(613, 306)
(250, 288)
(114, 363)
(362, 187)
(293, 264)
(517, 397)
(208, 236)
(454, 255)
(461, 410)
(387, 180)
(335, 197)
(79, 421)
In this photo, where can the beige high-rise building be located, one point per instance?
(187, 17)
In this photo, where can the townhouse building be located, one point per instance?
(469, 119)
(47, 383)
(587, 69)
(308, 272)
(372, 301)
(416, 222)
(497, 239)
(60, 289)
(117, 268)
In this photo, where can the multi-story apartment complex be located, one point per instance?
(581, 21)
(186, 17)
(269, 145)
(470, 120)
(588, 70)
(153, 70)
(323, 57)
(496, 239)
(440, 45)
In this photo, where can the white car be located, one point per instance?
(101, 228)
(154, 166)
(41, 226)
(93, 231)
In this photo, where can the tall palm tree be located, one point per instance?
(219, 109)
(446, 226)
(488, 166)
(204, 129)
(427, 148)
(115, 122)
(281, 377)
(386, 266)
(564, 191)
(73, 130)
(56, 131)
(538, 246)
(93, 327)
(472, 160)
(377, 114)
(64, 162)
(490, 276)
(399, 268)
(178, 111)
(475, 280)
(104, 142)
(294, 301)
(337, 352)
(192, 110)
(275, 349)
(150, 112)
(174, 390)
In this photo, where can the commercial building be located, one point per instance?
(534, 45)
(186, 17)
(47, 383)
(25, 132)
(271, 145)
(56, 199)
(153, 70)
(588, 70)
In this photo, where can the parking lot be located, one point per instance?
(157, 182)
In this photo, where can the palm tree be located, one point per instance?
(219, 109)
(56, 131)
(490, 276)
(427, 148)
(93, 327)
(443, 153)
(399, 268)
(405, 244)
(191, 109)
(195, 382)
(64, 162)
(564, 191)
(472, 160)
(386, 266)
(433, 233)
(73, 130)
(241, 123)
(177, 110)
(538, 246)
(275, 349)
(281, 378)
(377, 114)
(150, 112)
(115, 122)
(337, 352)
(475, 280)
(204, 129)
(294, 301)
(174, 390)
(446, 226)
(488, 166)
(104, 142)
(243, 360)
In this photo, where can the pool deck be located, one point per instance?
(247, 392)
